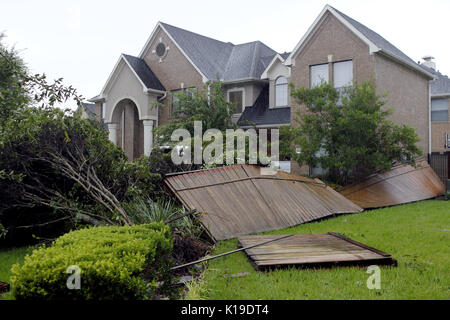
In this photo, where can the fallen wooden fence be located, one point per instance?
(239, 200)
(311, 251)
(402, 184)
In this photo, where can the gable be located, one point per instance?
(375, 43)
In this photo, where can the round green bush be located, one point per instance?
(113, 262)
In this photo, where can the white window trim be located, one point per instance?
(243, 96)
(275, 93)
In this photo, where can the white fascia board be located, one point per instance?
(277, 57)
(147, 44)
(438, 95)
(372, 47)
(98, 98)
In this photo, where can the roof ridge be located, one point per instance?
(195, 33)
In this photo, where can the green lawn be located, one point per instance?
(7, 259)
(417, 235)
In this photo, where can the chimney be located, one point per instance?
(428, 62)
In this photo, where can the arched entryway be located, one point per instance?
(129, 129)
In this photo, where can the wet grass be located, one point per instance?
(7, 259)
(417, 235)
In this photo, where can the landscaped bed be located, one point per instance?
(417, 235)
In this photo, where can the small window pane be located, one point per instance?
(319, 74)
(439, 110)
(236, 97)
(439, 115)
(281, 92)
(343, 74)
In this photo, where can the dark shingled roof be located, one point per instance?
(260, 114)
(440, 86)
(89, 108)
(378, 40)
(144, 73)
(220, 59)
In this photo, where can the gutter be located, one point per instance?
(406, 63)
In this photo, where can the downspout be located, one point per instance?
(429, 122)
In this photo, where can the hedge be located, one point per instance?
(113, 261)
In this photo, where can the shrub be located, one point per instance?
(145, 210)
(114, 261)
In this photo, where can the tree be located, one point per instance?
(51, 158)
(347, 132)
(206, 105)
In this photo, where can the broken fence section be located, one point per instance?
(402, 184)
(238, 200)
(311, 251)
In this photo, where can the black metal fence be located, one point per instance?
(440, 164)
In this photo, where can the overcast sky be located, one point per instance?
(82, 40)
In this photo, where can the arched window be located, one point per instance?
(281, 92)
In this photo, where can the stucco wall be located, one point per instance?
(127, 86)
(173, 71)
(407, 95)
(251, 91)
(278, 69)
(438, 131)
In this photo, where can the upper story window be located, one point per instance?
(318, 74)
(174, 103)
(342, 74)
(236, 98)
(439, 110)
(281, 92)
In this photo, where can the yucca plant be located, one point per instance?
(144, 210)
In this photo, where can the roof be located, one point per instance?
(144, 72)
(89, 108)
(378, 40)
(269, 202)
(441, 85)
(260, 114)
(375, 42)
(222, 60)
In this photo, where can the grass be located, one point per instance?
(417, 235)
(7, 259)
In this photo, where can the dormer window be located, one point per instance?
(236, 98)
(281, 92)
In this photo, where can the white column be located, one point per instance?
(148, 136)
(112, 128)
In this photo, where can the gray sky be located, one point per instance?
(82, 40)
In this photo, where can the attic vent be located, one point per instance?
(161, 50)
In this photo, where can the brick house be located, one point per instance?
(335, 48)
(440, 120)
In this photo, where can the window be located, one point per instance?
(439, 110)
(319, 74)
(160, 50)
(281, 92)
(174, 104)
(342, 74)
(236, 97)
